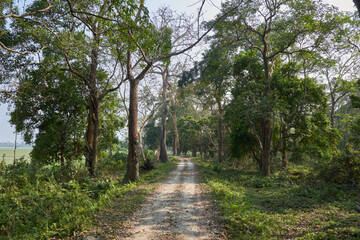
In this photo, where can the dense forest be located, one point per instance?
(265, 98)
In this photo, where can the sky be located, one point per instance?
(211, 8)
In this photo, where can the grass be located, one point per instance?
(7, 153)
(43, 203)
(254, 207)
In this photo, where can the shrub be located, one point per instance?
(149, 160)
(113, 162)
(343, 169)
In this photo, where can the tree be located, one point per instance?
(298, 100)
(299, 106)
(274, 29)
(148, 107)
(338, 64)
(163, 150)
(173, 112)
(213, 78)
(357, 4)
(95, 21)
(50, 101)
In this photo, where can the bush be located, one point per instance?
(120, 156)
(113, 162)
(343, 169)
(42, 209)
(149, 154)
(149, 160)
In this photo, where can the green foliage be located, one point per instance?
(343, 168)
(39, 203)
(149, 154)
(299, 122)
(113, 162)
(254, 207)
(51, 106)
(149, 161)
(152, 136)
(38, 207)
(319, 141)
(195, 135)
(111, 123)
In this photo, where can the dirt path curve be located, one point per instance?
(178, 209)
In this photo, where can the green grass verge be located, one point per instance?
(37, 206)
(254, 207)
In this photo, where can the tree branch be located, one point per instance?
(28, 14)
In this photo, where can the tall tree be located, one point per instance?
(50, 105)
(274, 29)
(213, 78)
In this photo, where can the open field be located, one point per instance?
(7, 153)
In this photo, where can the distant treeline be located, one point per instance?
(11, 144)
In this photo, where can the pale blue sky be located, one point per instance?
(188, 6)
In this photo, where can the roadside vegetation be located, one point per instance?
(295, 204)
(42, 202)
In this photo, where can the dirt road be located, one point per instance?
(178, 209)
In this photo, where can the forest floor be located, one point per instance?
(179, 208)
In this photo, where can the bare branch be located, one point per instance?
(73, 71)
(28, 14)
(20, 52)
(140, 48)
(198, 40)
(123, 99)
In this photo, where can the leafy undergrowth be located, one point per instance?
(254, 207)
(41, 204)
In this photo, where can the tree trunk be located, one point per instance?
(163, 151)
(193, 153)
(62, 152)
(141, 147)
(176, 136)
(157, 155)
(266, 141)
(259, 162)
(132, 169)
(180, 148)
(62, 157)
(174, 148)
(285, 162)
(92, 134)
(220, 130)
(332, 112)
(92, 130)
(266, 134)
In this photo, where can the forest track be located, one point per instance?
(179, 208)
